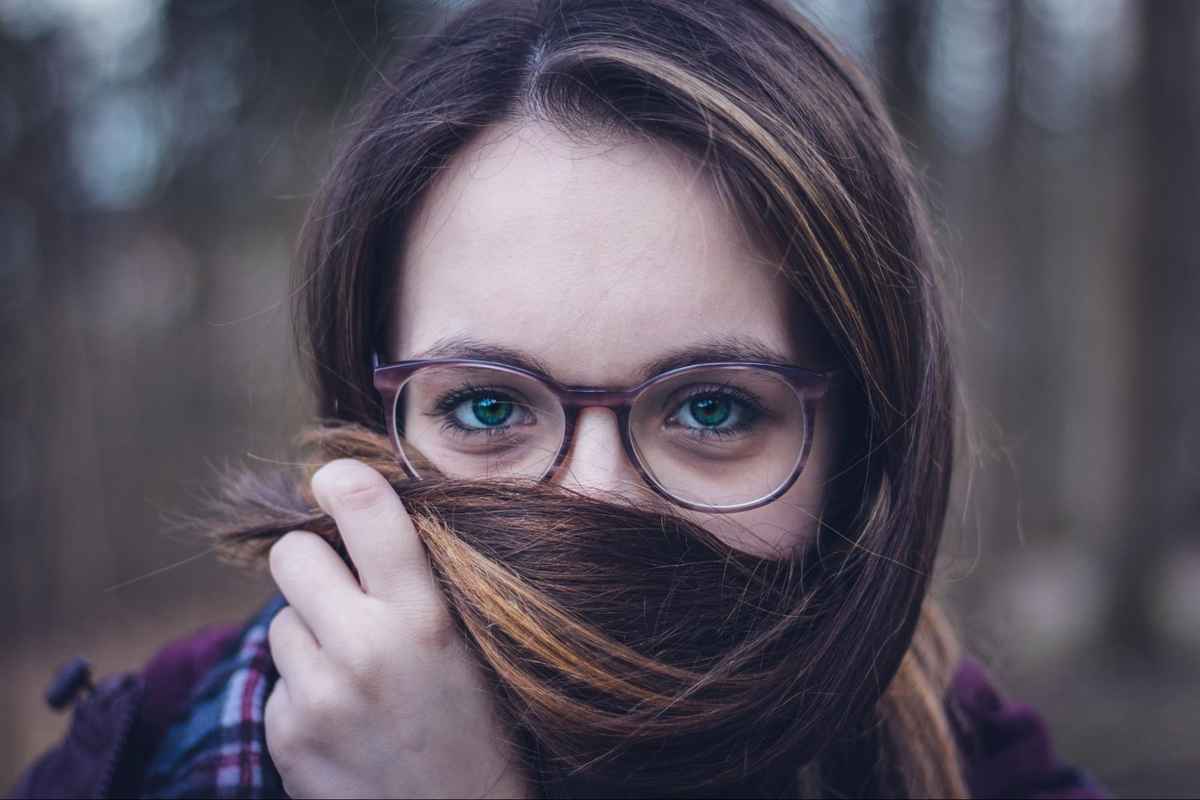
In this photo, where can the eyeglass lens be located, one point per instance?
(721, 436)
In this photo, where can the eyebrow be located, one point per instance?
(724, 348)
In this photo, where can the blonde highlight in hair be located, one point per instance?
(831, 679)
(694, 703)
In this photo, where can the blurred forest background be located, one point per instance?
(157, 156)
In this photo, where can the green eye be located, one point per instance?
(710, 411)
(491, 410)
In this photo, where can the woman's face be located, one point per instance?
(596, 260)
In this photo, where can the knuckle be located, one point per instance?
(286, 561)
(432, 626)
(277, 558)
(362, 659)
(275, 629)
(284, 554)
(285, 739)
(320, 704)
(350, 484)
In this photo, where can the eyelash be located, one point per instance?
(754, 410)
(444, 408)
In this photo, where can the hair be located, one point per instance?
(631, 651)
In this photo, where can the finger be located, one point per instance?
(275, 716)
(379, 535)
(294, 649)
(315, 581)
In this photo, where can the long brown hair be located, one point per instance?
(825, 675)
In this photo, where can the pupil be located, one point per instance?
(491, 411)
(710, 410)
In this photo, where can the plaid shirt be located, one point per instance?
(191, 725)
(219, 748)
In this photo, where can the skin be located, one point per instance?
(596, 259)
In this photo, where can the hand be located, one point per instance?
(377, 694)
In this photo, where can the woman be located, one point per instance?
(624, 324)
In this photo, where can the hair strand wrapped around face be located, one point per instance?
(633, 651)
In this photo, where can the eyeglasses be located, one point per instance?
(718, 437)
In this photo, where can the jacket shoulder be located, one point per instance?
(1006, 745)
(117, 724)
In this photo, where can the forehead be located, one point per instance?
(595, 258)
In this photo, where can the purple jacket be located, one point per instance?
(121, 723)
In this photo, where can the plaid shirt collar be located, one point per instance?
(219, 748)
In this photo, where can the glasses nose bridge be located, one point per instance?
(576, 399)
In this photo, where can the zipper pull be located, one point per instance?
(72, 677)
